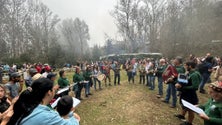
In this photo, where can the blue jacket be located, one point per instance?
(43, 115)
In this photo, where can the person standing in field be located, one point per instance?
(188, 92)
(78, 81)
(142, 71)
(160, 69)
(116, 70)
(63, 82)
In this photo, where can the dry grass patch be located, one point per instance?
(128, 104)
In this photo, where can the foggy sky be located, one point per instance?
(96, 13)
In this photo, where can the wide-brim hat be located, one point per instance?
(216, 86)
(36, 76)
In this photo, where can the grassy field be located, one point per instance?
(128, 104)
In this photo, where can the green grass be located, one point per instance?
(128, 104)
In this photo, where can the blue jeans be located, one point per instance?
(77, 89)
(96, 80)
(87, 88)
(205, 78)
(151, 79)
(147, 80)
(160, 84)
(171, 91)
(117, 77)
(130, 76)
(142, 79)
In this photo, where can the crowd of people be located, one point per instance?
(30, 105)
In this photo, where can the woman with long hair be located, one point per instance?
(31, 107)
(4, 103)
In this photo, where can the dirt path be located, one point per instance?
(127, 104)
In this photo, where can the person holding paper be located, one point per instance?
(188, 92)
(88, 77)
(213, 108)
(63, 82)
(78, 78)
(31, 107)
(65, 106)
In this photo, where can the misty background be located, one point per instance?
(66, 31)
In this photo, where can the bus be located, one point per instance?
(126, 56)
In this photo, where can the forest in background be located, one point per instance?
(31, 32)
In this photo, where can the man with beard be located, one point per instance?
(14, 86)
(188, 92)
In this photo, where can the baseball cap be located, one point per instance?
(50, 75)
(14, 75)
(32, 70)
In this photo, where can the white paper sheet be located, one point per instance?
(54, 104)
(75, 102)
(193, 107)
(63, 90)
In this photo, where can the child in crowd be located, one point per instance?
(65, 106)
(213, 108)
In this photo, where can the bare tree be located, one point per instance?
(75, 35)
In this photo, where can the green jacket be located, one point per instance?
(160, 70)
(77, 78)
(214, 111)
(180, 69)
(87, 75)
(194, 78)
(63, 82)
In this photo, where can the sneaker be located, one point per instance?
(90, 94)
(165, 101)
(181, 117)
(186, 123)
(159, 96)
(151, 88)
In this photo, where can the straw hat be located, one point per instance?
(216, 86)
(36, 76)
